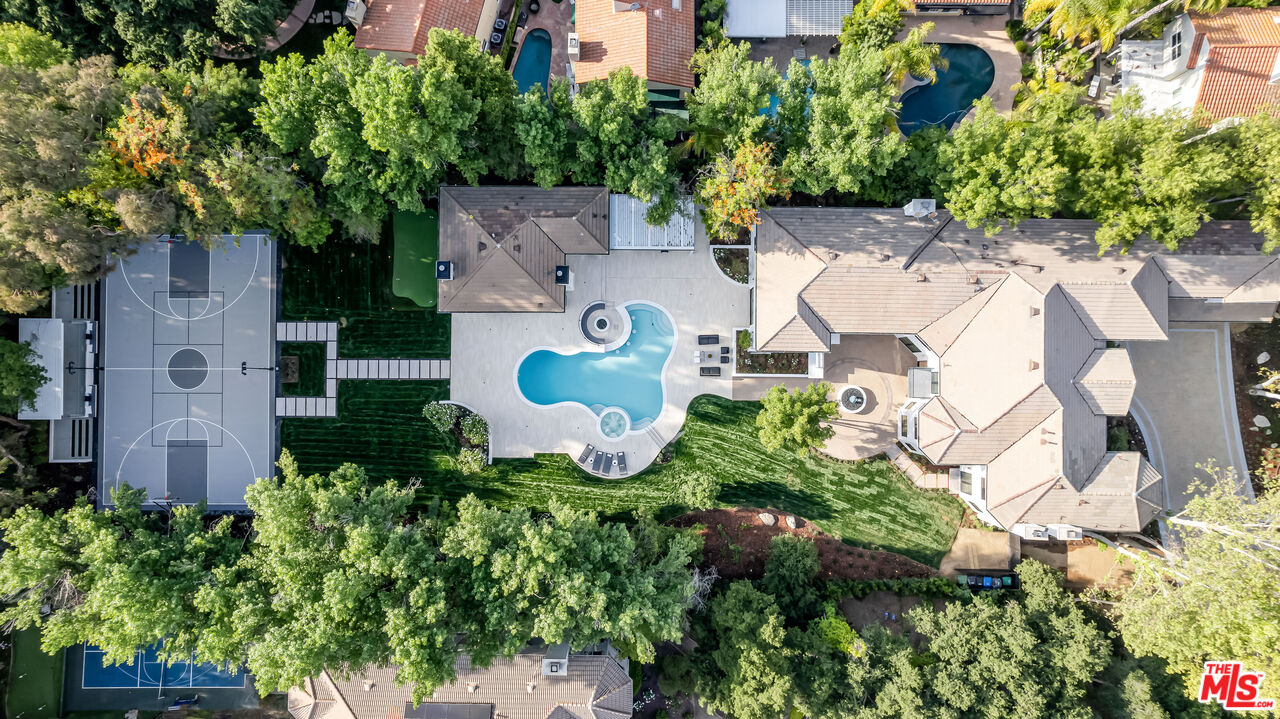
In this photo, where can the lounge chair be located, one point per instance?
(608, 463)
(708, 339)
(622, 463)
(586, 453)
(709, 371)
(595, 466)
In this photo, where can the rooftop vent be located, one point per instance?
(1034, 365)
(355, 12)
(921, 208)
(556, 662)
(575, 49)
(444, 270)
(1035, 311)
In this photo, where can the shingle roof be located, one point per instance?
(1243, 46)
(402, 25)
(654, 40)
(505, 243)
(594, 688)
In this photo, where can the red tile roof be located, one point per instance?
(655, 41)
(1243, 46)
(963, 2)
(402, 25)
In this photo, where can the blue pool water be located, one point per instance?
(628, 378)
(967, 78)
(533, 66)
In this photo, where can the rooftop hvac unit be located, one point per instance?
(444, 270)
(355, 12)
(575, 51)
(920, 208)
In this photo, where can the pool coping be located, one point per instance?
(662, 374)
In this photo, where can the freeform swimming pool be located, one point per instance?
(942, 104)
(622, 387)
(533, 66)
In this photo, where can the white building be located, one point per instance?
(1227, 64)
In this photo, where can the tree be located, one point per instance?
(915, 174)
(20, 376)
(1000, 170)
(734, 190)
(791, 122)
(696, 490)
(873, 24)
(746, 669)
(161, 33)
(1256, 155)
(913, 56)
(55, 228)
(622, 146)
(1085, 20)
(1048, 652)
(544, 126)
(793, 420)
(23, 46)
(119, 579)
(1226, 543)
(789, 574)
(731, 94)
(849, 138)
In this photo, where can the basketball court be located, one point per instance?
(148, 672)
(187, 391)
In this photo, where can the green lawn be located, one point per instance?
(35, 679)
(379, 426)
(350, 282)
(417, 245)
(310, 369)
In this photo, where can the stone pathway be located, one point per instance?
(336, 369)
(921, 478)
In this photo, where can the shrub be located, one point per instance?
(1118, 439)
(475, 429)
(471, 460)
(441, 416)
(1028, 69)
(696, 490)
(744, 340)
(929, 588)
(1021, 47)
(1015, 29)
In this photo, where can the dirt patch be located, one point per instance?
(736, 543)
(288, 369)
(1246, 346)
(979, 549)
(887, 609)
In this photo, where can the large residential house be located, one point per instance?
(399, 28)
(534, 685)
(1226, 64)
(1019, 342)
(654, 38)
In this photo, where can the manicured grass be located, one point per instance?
(310, 369)
(35, 678)
(380, 426)
(417, 245)
(350, 282)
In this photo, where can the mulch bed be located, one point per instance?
(736, 543)
(1245, 348)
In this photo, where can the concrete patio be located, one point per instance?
(988, 33)
(557, 19)
(488, 346)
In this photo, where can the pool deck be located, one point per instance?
(987, 32)
(488, 346)
(555, 19)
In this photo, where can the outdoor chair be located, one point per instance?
(622, 463)
(586, 454)
(608, 463)
(595, 466)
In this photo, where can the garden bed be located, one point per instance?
(1246, 346)
(302, 369)
(743, 238)
(769, 362)
(1124, 435)
(736, 542)
(734, 262)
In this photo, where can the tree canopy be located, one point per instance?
(794, 420)
(20, 376)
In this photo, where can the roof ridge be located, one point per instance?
(1251, 277)
(1047, 484)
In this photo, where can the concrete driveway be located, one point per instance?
(1185, 404)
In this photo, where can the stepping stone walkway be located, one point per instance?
(336, 369)
(919, 477)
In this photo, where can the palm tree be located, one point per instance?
(1084, 19)
(913, 56)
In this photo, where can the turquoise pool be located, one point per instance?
(533, 66)
(942, 104)
(621, 387)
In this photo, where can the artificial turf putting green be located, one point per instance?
(349, 282)
(417, 245)
(35, 678)
(870, 504)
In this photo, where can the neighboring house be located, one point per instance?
(1226, 64)
(760, 19)
(399, 28)
(533, 685)
(652, 37)
(1019, 342)
(506, 249)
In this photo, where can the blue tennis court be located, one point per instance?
(147, 671)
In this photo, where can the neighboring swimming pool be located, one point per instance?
(533, 66)
(623, 387)
(942, 104)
